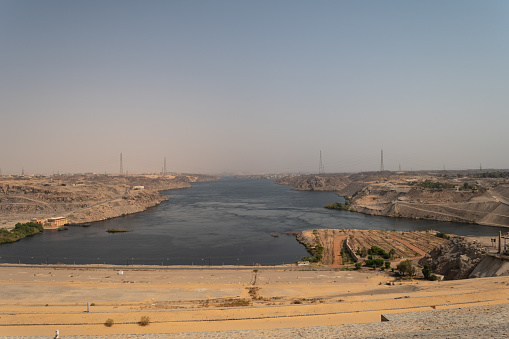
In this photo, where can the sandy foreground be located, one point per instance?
(40, 300)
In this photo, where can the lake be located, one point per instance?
(230, 222)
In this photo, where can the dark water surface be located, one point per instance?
(222, 222)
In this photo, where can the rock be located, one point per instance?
(455, 259)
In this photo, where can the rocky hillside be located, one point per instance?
(456, 259)
(466, 197)
(83, 198)
(322, 182)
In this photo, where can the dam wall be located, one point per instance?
(492, 265)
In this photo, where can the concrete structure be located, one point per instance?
(51, 223)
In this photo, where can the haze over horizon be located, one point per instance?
(253, 86)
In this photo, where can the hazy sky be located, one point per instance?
(253, 86)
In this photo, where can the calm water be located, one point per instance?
(223, 222)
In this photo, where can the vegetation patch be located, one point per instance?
(442, 235)
(117, 230)
(406, 268)
(315, 251)
(235, 303)
(338, 206)
(20, 231)
(109, 322)
(435, 185)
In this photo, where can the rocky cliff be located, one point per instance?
(456, 259)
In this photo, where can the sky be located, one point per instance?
(253, 86)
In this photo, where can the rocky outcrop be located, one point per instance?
(456, 259)
(321, 182)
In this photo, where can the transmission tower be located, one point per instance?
(320, 165)
(382, 161)
(121, 165)
(164, 171)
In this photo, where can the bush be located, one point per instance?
(144, 321)
(442, 235)
(364, 252)
(375, 262)
(338, 206)
(426, 271)
(109, 322)
(358, 265)
(387, 264)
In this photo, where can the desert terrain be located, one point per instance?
(84, 198)
(41, 300)
(462, 196)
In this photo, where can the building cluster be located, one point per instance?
(51, 223)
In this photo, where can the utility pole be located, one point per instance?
(382, 161)
(164, 171)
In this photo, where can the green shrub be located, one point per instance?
(109, 322)
(358, 265)
(375, 262)
(338, 206)
(442, 235)
(426, 271)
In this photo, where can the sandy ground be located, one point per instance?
(40, 300)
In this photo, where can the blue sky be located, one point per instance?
(253, 86)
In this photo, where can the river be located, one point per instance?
(230, 222)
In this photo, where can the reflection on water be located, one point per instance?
(224, 222)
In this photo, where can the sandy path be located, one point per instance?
(176, 300)
(336, 252)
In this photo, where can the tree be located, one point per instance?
(406, 268)
(426, 271)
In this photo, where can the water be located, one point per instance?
(223, 222)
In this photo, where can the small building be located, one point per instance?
(51, 223)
